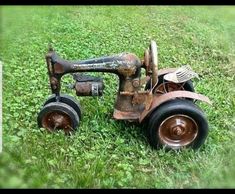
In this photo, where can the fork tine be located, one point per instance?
(181, 73)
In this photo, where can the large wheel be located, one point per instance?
(69, 100)
(57, 115)
(177, 124)
(164, 86)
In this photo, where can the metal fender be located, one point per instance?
(165, 71)
(158, 100)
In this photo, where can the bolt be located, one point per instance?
(177, 130)
(136, 83)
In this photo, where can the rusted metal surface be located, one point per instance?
(177, 131)
(127, 85)
(124, 102)
(126, 71)
(57, 120)
(148, 101)
(144, 98)
(139, 98)
(136, 83)
(54, 82)
(167, 87)
(124, 64)
(58, 68)
(53, 77)
(89, 88)
(146, 62)
(125, 115)
(83, 89)
(165, 71)
(157, 100)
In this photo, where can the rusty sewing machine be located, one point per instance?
(162, 99)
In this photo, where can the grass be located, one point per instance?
(105, 153)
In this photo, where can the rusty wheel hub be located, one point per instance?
(57, 120)
(178, 130)
(167, 87)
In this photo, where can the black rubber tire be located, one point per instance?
(173, 107)
(62, 107)
(69, 100)
(188, 86)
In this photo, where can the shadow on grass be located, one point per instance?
(132, 130)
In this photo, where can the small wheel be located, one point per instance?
(57, 115)
(165, 86)
(69, 100)
(176, 124)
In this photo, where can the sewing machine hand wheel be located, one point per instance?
(151, 60)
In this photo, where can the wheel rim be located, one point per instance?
(56, 120)
(177, 131)
(168, 87)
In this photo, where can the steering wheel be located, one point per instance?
(153, 59)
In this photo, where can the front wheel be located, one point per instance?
(57, 115)
(67, 99)
(177, 124)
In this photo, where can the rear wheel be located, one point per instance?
(57, 115)
(164, 86)
(177, 124)
(69, 100)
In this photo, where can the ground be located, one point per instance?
(105, 153)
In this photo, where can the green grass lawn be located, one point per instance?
(105, 153)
